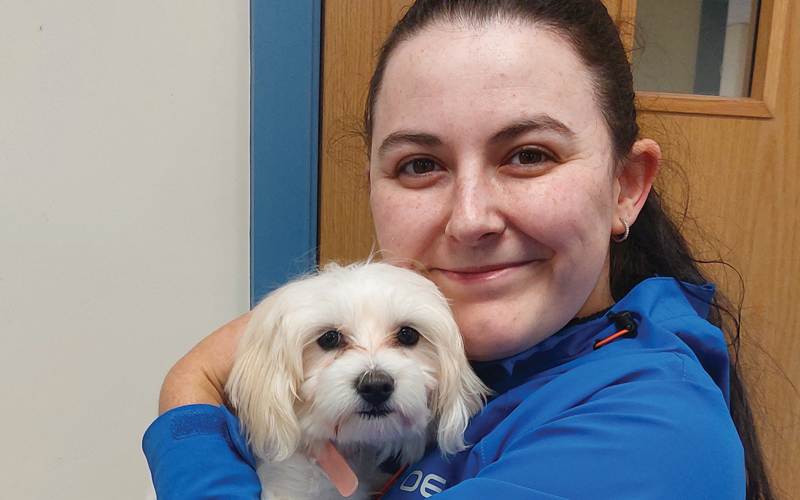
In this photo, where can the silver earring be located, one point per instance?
(618, 238)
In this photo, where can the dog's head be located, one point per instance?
(364, 355)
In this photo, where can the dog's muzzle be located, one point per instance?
(375, 387)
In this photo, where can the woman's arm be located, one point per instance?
(195, 448)
(200, 376)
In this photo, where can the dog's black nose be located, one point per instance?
(375, 387)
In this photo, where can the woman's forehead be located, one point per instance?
(501, 73)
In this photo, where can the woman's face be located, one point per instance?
(492, 167)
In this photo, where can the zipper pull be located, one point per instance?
(626, 327)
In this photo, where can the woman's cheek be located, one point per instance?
(382, 220)
(574, 227)
(400, 221)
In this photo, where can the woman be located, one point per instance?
(504, 158)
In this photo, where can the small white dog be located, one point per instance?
(365, 361)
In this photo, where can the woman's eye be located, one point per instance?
(419, 166)
(331, 340)
(529, 157)
(408, 336)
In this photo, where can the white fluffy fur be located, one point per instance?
(292, 396)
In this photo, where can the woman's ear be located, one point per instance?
(634, 180)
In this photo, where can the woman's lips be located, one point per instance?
(470, 275)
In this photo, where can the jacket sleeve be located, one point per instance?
(198, 452)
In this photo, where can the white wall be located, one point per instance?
(124, 219)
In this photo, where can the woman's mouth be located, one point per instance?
(481, 274)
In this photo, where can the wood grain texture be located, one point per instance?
(624, 12)
(745, 190)
(354, 31)
(744, 175)
(702, 105)
(614, 6)
(770, 45)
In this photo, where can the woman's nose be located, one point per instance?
(475, 217)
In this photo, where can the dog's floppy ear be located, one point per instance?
(460, 393)
(264, 381)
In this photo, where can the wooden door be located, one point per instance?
(741, 158)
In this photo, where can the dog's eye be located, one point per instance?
(331, 340)
(408, 336)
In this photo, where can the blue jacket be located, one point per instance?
(644, 418)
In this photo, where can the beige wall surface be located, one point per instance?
(124, 219)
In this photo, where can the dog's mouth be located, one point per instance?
(375, 413)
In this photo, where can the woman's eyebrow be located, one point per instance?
(539, 122)
(399, 138)
(536, 123)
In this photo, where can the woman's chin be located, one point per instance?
(497, 341)
(487, 351)
(503, 328)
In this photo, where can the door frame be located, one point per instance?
(285, 52)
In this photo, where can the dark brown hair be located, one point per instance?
(656, 246)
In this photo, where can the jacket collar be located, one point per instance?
(658, 299)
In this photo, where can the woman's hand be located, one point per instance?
(200, 376)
